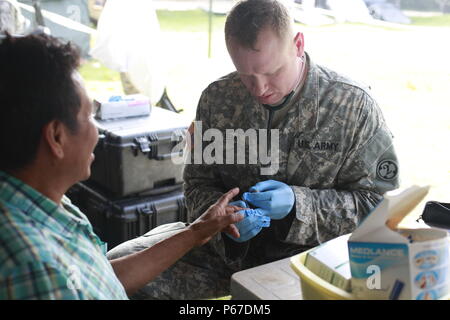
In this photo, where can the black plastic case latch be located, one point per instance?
(143, 144)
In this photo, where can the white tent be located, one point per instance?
(349, 10)
(129, 40)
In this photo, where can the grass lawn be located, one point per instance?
(435, 21)
(94, 70)
(188, 21)
(408, 69)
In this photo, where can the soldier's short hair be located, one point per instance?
(248, 17)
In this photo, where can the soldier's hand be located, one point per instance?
(275, 199)
(219, 217)
(253, 222)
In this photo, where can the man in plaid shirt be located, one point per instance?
(48, 249)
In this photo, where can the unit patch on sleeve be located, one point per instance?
(387, 170)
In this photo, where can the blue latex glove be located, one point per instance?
(274, 198)
(251, 225)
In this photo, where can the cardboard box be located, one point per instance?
(391, 263)
(117, 107)
(330, 262)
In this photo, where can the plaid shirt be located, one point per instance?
(49, 251)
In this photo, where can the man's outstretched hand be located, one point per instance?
(219, 217)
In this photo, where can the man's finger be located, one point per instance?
(234, 208)
(239, 203)
(232, 218)
(225, 198)
(229, 222)
(232, 230)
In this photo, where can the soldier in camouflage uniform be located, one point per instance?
(335, 152)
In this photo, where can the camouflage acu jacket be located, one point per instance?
(334, 150)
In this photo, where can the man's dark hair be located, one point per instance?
(249, 17)
(36, 87)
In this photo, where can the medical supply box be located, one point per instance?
(388, 262)
(134, 155)
(330, 262)
(119, 220)
(115, 107)
(312, 286)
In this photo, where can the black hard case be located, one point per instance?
(116, 221)
(134, 155)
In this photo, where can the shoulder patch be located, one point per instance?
(387, 169)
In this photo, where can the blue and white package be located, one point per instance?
(391, 263)
(116, 107)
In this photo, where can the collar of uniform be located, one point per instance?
(38, 207)
(308, 103)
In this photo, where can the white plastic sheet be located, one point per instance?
(129, 40)
(350, 10)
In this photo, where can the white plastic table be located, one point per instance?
(272, 281)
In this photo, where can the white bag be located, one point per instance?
(129, 40)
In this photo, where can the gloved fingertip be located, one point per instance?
(241, 204)
(245, 212)
(240, 215)
(252, 212)
(265, 221)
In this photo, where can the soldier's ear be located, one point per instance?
(299, 43)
